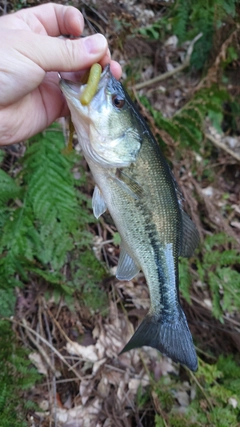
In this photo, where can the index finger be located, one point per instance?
(56, 19)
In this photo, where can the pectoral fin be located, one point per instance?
(127, 184)
(190, 237)
(127, 268)
(98, 203)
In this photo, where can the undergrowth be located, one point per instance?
(187, 127)
(44, 217)
(17, 376)
(44, 222)
(215, 265)
(216, 271)
(214, 392)
(192, 17)
(217, 261)
(188, 18)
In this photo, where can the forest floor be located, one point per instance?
(76, 348)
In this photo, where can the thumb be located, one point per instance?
(58, 54)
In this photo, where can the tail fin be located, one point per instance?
(171, 337)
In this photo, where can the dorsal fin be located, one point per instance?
(190, 236)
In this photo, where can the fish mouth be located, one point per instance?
(70, 88)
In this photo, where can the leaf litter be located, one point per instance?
(90, 384)
(108, 379)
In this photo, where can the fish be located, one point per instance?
(135, 184)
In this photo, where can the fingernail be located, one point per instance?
(95, 43)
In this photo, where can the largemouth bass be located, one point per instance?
(135, 183)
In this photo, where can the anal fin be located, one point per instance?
(127, 268)
(98, 203)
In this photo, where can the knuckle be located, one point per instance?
(72, 50)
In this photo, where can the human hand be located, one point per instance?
(31, 54)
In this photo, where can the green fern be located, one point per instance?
(16, 376)
(218, 382)
(52, 196)
(156, 31)
(190, 17)
(9, 188)
(187, 125)
(43, 216)
(216, 386)
(217, 270)
(180, 18)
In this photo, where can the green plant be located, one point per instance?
(185, 279)
(217, 396)
(156, 31)
(43, 216)
(189, 18)
(16, 377)
(187, 125)
(89, 273)
(217, 269)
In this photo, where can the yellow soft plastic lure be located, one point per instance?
(92, 84)
(91, 79)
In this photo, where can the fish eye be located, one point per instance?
(118, 101)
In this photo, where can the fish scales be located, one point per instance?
(142, 227)
(135, 184)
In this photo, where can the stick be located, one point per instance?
(223, 147)
(27, 327)
(168, 74)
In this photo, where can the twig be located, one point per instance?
(222, 146)
(200, 387)
(25, 325)
(79, 359)
(199, 350)
(229, 319)
(53, 362)
(211, 76)
(168, 74)
(67, 380)
(96, 13)
(40, 349)
(58, 326)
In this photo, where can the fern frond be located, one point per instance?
(9, 189)
(52, 195)
(191, 17)
(16, 374)
(181, 18)
(49, 219)
(47, 173)
(217, 270)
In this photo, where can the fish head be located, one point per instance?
(108, 128)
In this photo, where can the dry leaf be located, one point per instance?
(38, 362)
(87, 353)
